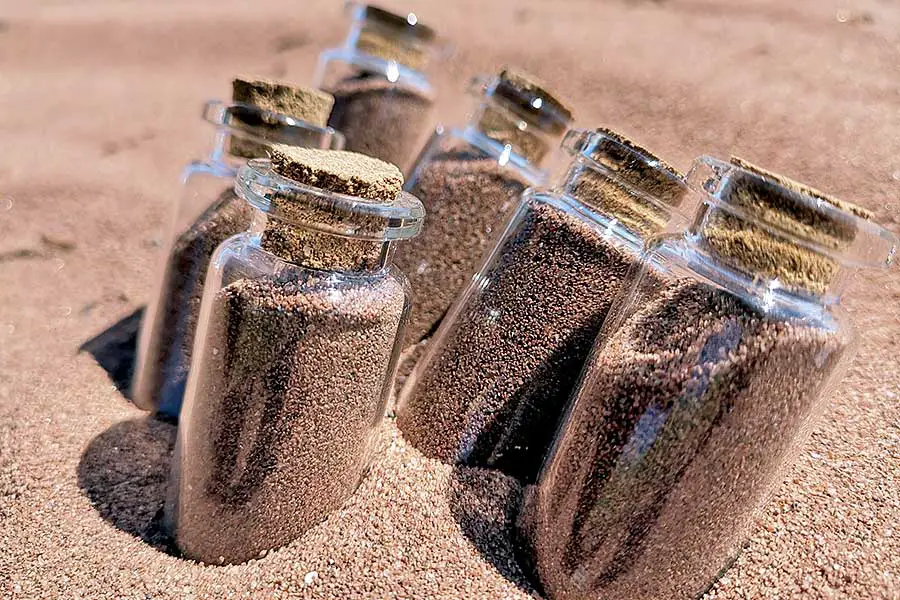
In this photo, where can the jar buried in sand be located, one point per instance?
(702, 383)
(470, 181)
(493, 383)
(207, 213)
(383, 98)
(297, 343)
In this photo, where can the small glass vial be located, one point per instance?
(383, 98)
(493, 383)
(700, 388)
(207, 213)
(470, 180)
(297, 343)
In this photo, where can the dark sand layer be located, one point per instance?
(807, 88)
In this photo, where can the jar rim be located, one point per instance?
(872, 246)
(359, 218)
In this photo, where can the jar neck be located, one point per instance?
(221, 149)
(315, 248)
(779, 234)
(370, 38)
(767, 260)
(683, 256)
(642, 204)
(234, 146)
(520, 141)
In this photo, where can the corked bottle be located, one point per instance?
(700, 387)
(297, 342)
(383, 97)
(492, 385)
(470, 180)
(206, 214)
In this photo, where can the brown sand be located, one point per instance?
(807, 88)
(468, 199)
(380, 118)
(504, 365)
(261, 463)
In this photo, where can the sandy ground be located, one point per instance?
(99, 108)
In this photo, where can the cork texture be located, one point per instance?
(632, 145)
(504, 128)
(339, 171)
(382, 45)
(802, 188)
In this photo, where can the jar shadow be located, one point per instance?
(124, 472)
(115, 350)
(485, 505)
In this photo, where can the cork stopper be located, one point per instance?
(314, 243)
(394, 37)
(311, 106)
(533, 100)
(623, 180)
(306, 104)
(339, 171)
(801, 188)
(523, 115)
(782, 231)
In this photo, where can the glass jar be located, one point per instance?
(470, 180)
(207, 213)
(383, 98)
(296, 344)
(493, 383)
(700, 388)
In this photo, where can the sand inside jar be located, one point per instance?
(688, 415)
(164, 369)
(291, 383)
(492, 391)
(287, 394)
(680, 429)
(468, 198)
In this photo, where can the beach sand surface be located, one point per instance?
(99, 110)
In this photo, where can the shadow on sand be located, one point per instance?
(488, 524)
(124, 472)
(115, 350)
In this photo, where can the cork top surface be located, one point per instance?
(307, 104)
(801, 188)
(523, 89)
(339, 171)
(631, 145)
